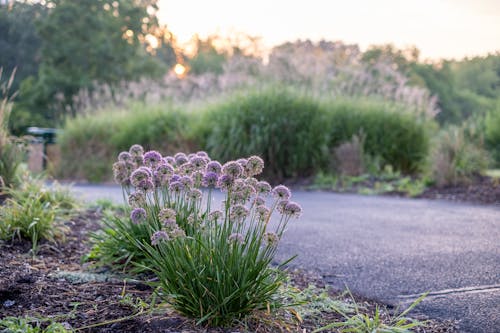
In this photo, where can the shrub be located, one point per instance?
(397, 137)
(349, 157)
(89, 143)
(493, 132)
(287, 129)
(457, 156)
(34, 212)
(213, 265)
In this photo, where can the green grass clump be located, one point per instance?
(34, 212)
(493, 133)
(90, 143)
(288, 130)
(30, 325)
(391, 134)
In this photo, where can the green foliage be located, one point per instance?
(287, 129)
(492, 136)
(35, 212)
(101, 136)
(458, 155)
(362, 322)
(397, 137)
(25, 325)
(207, 58)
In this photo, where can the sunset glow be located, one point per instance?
(439, 28)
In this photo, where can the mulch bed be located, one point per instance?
(483, 190)
(33, 286)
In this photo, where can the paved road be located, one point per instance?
(392, 249)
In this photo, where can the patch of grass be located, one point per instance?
(30, 325)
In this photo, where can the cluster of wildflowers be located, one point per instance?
(165, 192)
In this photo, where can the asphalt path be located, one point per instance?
(393, 249)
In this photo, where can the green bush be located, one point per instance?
(287, 129)
(493, 133)
(90, 143)
(391, 134)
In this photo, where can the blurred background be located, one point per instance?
(382, 95)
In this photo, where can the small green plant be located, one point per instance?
(212, 265)
(362, 322)
(30, 325)
(35, 212)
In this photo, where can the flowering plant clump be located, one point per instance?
(212, 259)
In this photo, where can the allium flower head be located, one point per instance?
(252, 182)
(120, 166)
(186, 181)
(254, 166)
(263, 188)
(271, 238)
(259, 201)
(236, 238)
(170, 160)
(138, 215)
(195, 194)
(121, 173)
(293, 209)
(180, 159)
(263, 213)
(281, 206)
(159, 236)
(166, 214)
(176, 187)
(152, 159)
(145, 185)
(239, 212)
(186, 169)
(136, 199)
(140, 175)
(177, 233)
(233, 169)
(198, 162)
(225, 182)
(175, 178)
(203, 154)
(238, 185)
(210, 179)
(214, 166)
(125, 156)
(138, 160)
(215, 216)
(238, 197)
(165, 169)
(281, 192)
(136, 150)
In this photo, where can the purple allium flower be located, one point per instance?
(271, 238)
(243, 162)
(138, 215)
(175, 178)
(186, 181)
(190, 156)
(136, 199)
(259, 201)
(215, 216)
(237, 238)
(121, 178)
(186, 169)
(120, 166)
(136, 150)
(252, 182)
(233, 169)
(293, 209)
(194, 194)
(198, 162)
(238, 198)
(281, 206)
(282, 192)
(239, 212)
(165, 169)
(177, 232)
(176, 187)
(225, 182)
(124, 156)
(210, 179)
(263, 213)
(145, 185)
(214, 166)
(238, 185)
(166, 214)
(248, 191)
(203, 154)
(254, 166)
(263, 188)
(140, 175)
(159, 236)
(152, 159)
(170, 160)
(137, 160)
(197, 177)
(180, 159)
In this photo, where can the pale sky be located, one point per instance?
(439, 28)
